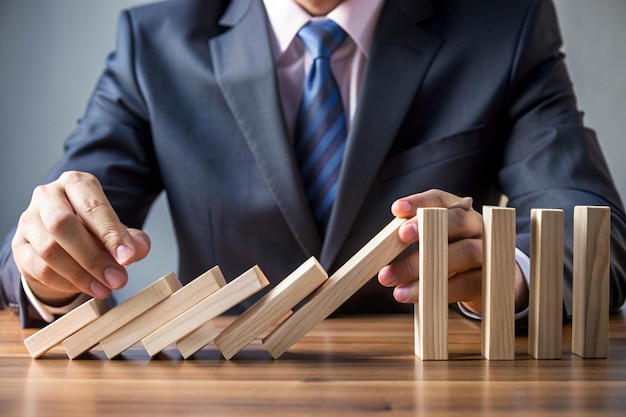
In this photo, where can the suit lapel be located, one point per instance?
(245, 70)
(400, 55)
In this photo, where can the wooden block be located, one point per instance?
(431, 311)
(498, 324)
(197, 339)
(230, 295)
(591, 286)
(545, 321)
(258, 318)
(164, 312)
(348, 279)
(57, 331)
(89, 336)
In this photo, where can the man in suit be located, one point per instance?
(200, 100)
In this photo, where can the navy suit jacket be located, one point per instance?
(469, 97)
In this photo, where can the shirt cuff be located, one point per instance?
(523, 261)
(47, 312)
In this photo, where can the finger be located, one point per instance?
(463, 224)
(88, 201)
(465, 287)
(407, 206)
(70, 233)
(42, 259)
(464, 255)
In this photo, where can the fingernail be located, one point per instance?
(409, 231)
(402, 206)
(386, 276)
(123, 254)
(402, 294)
(114, 278)
(99, 290)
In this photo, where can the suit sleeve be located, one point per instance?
(550, 156)
(113, 142)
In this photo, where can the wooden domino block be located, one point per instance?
(431, 311)
(164, 312)
(57, 331)
(498, 324)
(590, 315)
(89, 336)
(545, 320)
(347, 280)
(197, 339)
(230, 295)
(258, 318)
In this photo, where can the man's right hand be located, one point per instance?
(70, 240)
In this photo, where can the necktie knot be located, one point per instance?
(322, 38)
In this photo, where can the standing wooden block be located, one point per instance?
(258, 318)
(164, 312)
(545, 322)
(431, 312)
(230, 295)
(348, 279)
(57, 331)
(89, 336)
(591, 287)
(498, 325)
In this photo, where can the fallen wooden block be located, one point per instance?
(348, 279)
(591, 285)
(164, 312)
(431, 311)
(89, 336)
(230, 295)
(265, 312)
(545, 320)
(62, 328)
(498, 324)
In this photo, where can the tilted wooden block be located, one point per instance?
(545, 320)
(89, 336)
(258, 318)
(230, 295)
(348, 279)
(498, 324)
(57, 331)
(591, 286)
(431, 312)
(197, 339)
(164, 312)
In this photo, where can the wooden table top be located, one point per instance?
(349, 367)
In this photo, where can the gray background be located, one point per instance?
(52, 52)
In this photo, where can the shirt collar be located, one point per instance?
(357, 17)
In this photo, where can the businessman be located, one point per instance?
(216, 104)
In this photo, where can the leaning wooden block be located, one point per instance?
(57, 331)
(258, 318)
(164, 312)
(498, 324)
(591, 287)
(230, 295)
(197, 339)
(545, 320)
(89, 336)
(348, 279)
(431, 311)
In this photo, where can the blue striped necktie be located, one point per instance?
(320, 132)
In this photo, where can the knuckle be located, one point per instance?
(50, 251)
(61, 222)
(473, 250)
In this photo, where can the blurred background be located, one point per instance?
(52, 52)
